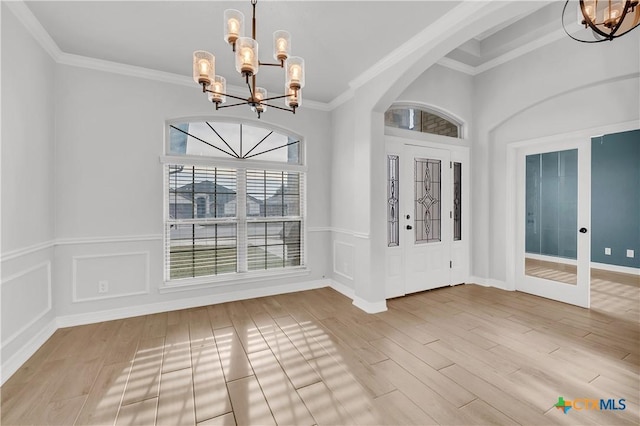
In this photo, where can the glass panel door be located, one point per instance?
(553, 218)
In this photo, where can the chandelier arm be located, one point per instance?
(205, 142)
(277, 97)
(228, 95)
(249, 86)
(272, 64)
(269, 150)
(232, 105)
(277, 107)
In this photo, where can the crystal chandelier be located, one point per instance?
(248, 65)
(607, 19)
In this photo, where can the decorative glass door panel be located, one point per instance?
(428, 203)
(426, 199)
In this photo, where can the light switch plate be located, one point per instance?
(607, 251)
(630, 253)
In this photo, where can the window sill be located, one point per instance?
(187, 284)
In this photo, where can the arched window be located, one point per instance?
(422, 120)
(234, 200)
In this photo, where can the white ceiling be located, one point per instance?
(339, 40)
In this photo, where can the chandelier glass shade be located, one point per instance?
(607, 19)
(248, 65)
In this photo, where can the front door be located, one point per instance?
(426, 217)
(553, 218)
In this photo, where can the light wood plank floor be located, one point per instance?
(461, 355)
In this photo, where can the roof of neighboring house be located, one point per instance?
(208, 187)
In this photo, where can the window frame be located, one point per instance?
(462, 128)
(241, 166)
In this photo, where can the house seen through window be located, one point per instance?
(234, 200)
(421, 120)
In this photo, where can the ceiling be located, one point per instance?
(339, 40)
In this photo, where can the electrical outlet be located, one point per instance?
(103, 286)
(607, 251)
(630, 253)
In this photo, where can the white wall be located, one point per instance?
(110, 192)
(563, 87)
(28, 193)
(82, 195)
(448, 90)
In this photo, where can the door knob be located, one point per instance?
(409, 227)
(408, 217)
(583, 230)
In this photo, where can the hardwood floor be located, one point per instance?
(461, 355)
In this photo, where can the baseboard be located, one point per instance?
(615, 268)
(194, 302)
(10, 366)
(489, 282)
(369, 307)
(343, 289)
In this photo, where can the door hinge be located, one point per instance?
(450, 214)
(451, 164)
(450, 265)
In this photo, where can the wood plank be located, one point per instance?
(175, 403)
(235, 363)
(144, 379)
(200, 330)
(223, 420)
(438, 408)
(177, 347)
(61, 412)
(103, 401)
(447, 388)
(218, 316)
(323, 405)
(485, 414)
(396, 408)
(209, 388)
(285, 403)
(141, 413)
(347, 390)
(500, 399)
(249, 404)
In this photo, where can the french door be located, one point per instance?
(553, 219)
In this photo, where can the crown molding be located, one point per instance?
(462, 12)
(440, 27)
(31, 23)
(521, 50)
(457, 66)
(35, 28)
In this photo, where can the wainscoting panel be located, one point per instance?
(26, 298)
(343, 259)
(119, 275)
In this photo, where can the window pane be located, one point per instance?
(273, 244)
(421, 121)
(273, 194)
(198, 192)
(232, 140)
(196, 250)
